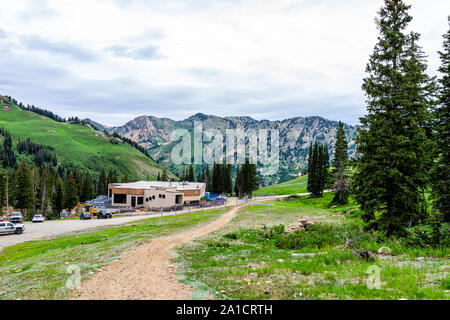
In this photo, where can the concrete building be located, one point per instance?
(155, 195)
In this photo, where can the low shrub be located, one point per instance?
(427, 235)
(278, 229)
(231, 235)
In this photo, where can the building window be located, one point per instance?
(164, 196)
(120, 198)
(140, 200)
(153, 197)
(160, 195)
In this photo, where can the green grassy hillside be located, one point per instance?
(76, 145)
(290, 187)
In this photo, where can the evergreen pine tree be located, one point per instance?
(102, 184)
(110, 177)
(215, 178)
(191, 176)
(87, 193)
(58, 203)
(249, 178)
(45, 188)
(392, 142)
(207, 180)
(37, 192)
(200, 176)
(321, 170)
(3, 176)
(23, 187)
(164, 176)
(326, 167)
(221, 178)
(71, 196)
(228, 179)
(340, 162)
(441, 169)
(315, 172)
(238, 182)
(310, 168)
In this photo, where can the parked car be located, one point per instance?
(38, 218)
(85, 216)
(16, 217)
(8, 227)
(1, 219)
(104, 214)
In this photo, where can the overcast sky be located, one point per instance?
(113, 60)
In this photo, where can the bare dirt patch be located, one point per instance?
(147, 272)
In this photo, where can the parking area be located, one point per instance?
(51, 229)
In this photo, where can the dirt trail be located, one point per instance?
(146, 272)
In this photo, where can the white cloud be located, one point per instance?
(264, 58)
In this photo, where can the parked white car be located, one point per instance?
(16, 217)
(38, 218)
(9, 228)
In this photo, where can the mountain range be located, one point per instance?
(295, 135)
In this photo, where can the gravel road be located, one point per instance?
(147, 272)
(52, 229)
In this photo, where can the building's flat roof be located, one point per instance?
(160, 184)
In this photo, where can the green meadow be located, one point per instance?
(38, 269)
(253, 258)
(290, 187)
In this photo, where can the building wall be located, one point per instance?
(151, 198)
(194, 195)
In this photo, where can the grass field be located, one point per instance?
(248, 259)
(290, 187)
(38, 269)
(77, 145)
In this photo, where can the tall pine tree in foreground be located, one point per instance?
(392, 143)
(340, 162)
(441, 170)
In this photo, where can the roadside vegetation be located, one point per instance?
(38, 269)
(258, 256)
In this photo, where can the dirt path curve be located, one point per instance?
(146, 272)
